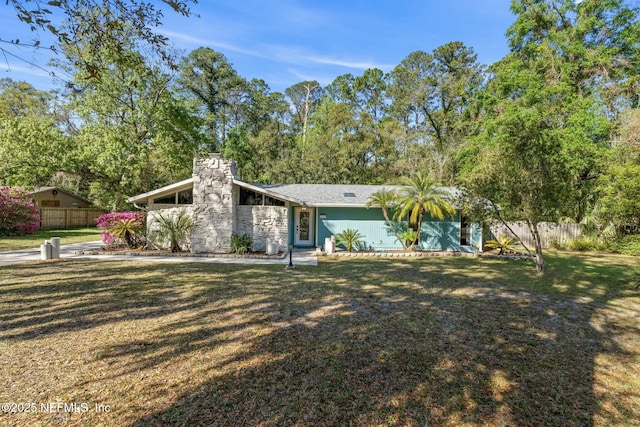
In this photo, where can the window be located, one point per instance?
(465, 231)
(169, 199)
(270, 201)
(249, 197)
(50, 203)
(185, 197)
(253, 198)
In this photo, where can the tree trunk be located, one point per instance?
(496, 211)
(539, 259)
(393, 228)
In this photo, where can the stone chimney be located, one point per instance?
(213, 205)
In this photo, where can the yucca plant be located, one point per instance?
(350, 239)
(503, 243)
(174, 228)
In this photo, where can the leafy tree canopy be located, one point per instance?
(69, 22)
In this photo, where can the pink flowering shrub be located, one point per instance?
(122, 228)
(18, 212)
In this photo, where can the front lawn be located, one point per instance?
(397, 341)
(68, 235)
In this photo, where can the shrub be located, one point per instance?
(18, 213)
(350, 239)
(557, 244)
(626, 245)
(584, 244)
(409, 237)
(174, 228)
(240, 244)
(123, 228)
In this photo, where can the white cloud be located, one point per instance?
(302, 76)
(348, 64)
(196, 41)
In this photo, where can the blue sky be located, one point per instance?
(287, 41)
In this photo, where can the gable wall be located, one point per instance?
(64, 200)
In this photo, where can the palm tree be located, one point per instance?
(419, 196)
(385, 199)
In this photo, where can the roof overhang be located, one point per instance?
(268, 192)
(175, 186)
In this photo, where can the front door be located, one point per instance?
(303, 226)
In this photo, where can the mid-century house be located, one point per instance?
(299, 214)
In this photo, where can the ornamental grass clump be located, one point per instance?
(19, 214)
(123, 228)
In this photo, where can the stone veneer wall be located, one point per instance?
(263, 222)
(213, 204)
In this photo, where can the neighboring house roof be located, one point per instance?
(60, 190)
(41, 190)
(314, 195)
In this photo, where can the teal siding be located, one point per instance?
(436, 235)
(369, 222)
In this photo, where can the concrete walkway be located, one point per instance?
(300, 256)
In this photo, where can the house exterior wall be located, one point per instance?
(152, 226)
(263, 222)
(369, 222)
(46, 199)
(435, 235)
(445, 235)
(213, 204)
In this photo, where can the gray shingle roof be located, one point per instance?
(330, 194)
(347, 195)
(324, 194)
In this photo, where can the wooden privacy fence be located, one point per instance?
(549, 232)
(69, 217)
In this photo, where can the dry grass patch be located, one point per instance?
(419, 342)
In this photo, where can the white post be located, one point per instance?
(329, 245)
(45, 251)
(55, 247)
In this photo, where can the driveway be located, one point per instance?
(300, 256)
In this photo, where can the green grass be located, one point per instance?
(69, 235)
(396, 341)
